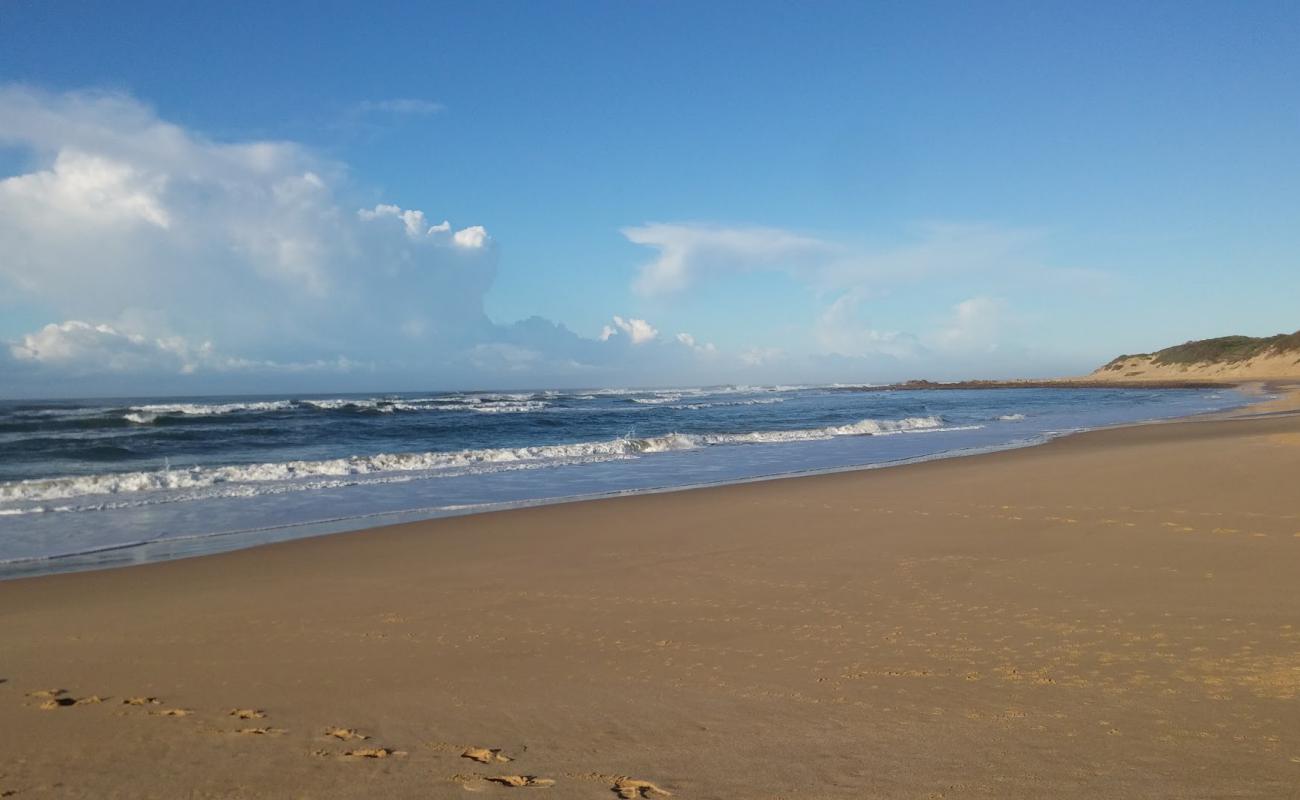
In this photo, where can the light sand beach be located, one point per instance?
(1113, 614)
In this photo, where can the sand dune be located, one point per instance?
(1226, 358)
(1272, 367)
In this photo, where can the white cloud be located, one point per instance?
(81, 346)
(699, 347)
(250, 245)
(85, 190)
(189, 263)
(472, 238)
(157, 249)
(412, 219)
(689, 252)
(75, 347)
(638, 330)
(840, 331)
(974, 326)
(688, 249)
(418, 227)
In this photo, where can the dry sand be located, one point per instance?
(1116, 614)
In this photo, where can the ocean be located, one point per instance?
(98, 483)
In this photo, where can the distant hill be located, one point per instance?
(1227, 358)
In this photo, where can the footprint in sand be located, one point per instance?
(374, 752)
(173, 712)
(47, 694)
(247, 713)
(58, 698)
(345, 734)
(484, 755)
(140, 701)
(260, 731)
(55, 702)
(521, 781)
(631, 788)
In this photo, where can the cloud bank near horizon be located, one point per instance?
(157, 250)
(157, 253)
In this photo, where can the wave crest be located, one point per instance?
(64, 488)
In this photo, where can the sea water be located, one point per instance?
(94, 483)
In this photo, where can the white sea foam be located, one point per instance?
(232, 477)
(381, 406)
(758, 401)
(1011, 417)
(508, 408)
(209, 409)
(866, 427)
(491, 404)
(500, 397)
(485, 402)
(372, 404)
(690, 391)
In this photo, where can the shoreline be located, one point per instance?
(1109, 614)
(187, 546)
(1081, 382)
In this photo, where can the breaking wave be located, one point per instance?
(507, 408)
(481, 402)
(758, 401)
(289, 475)
(487, 404)
(206, 409)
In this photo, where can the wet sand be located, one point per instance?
(1115, 614)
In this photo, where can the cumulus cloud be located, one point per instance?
(417, 227)
(638, 330)
(154, 249)
(157, 251)
(472, 238)
(75, 347)
(80, 189)
(83, 347)
(412, 219)
(252, 245)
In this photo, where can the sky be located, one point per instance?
(304, 197)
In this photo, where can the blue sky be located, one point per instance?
(832, 192)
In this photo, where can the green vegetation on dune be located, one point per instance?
(1223, 350)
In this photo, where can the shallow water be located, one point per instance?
(98, 483)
